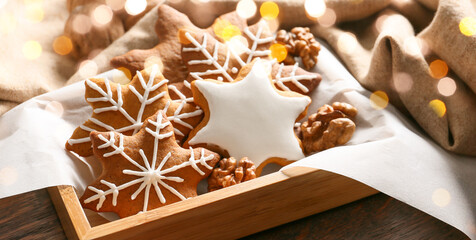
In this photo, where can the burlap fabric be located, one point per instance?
(384, 52)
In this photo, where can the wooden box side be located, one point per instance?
(232, 212)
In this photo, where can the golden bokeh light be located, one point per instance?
(438, 107)
(135, 7)
(102, 15)
(347, 43)
(8, 23)
(32, 50)
(81, 24)
(438, 69)
(328, 18)
(446, 86)
(238, 44)
(8, 176)
(116, 4)
(62, 45)
(34, 12)
(55, 108)
(88, 68)
(315, 8)
(225, 30)
(378, 100)
(441, 197)
(278, 51)
(402, 82)
(269, 10)
(467, 26)
(126, 72)
(246, 8)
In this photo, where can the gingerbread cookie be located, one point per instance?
(206, 57)
(124, 108)
(168, 49)
(249, 116)
(145, 171)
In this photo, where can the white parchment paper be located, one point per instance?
(386, 152)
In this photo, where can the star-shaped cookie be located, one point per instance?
(208, 58)
(145, 171)
(123, 108)
(249, 117)
(168, 49)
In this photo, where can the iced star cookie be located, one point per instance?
(123, 108)
(145, 171)
(208, 58)
(168, 49)
(249, 117)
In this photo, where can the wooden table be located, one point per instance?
(32, 216)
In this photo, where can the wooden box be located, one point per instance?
(228, 213)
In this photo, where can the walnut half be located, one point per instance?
(229, 173)
(329, 127)
(300, 42)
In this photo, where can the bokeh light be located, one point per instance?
(412, 46)
(438, 69)
(380, 22)
(8, 23)
(378, 100)
(315, 8)
(238, 44)
(126, 72)
(134, 7)
(152, 60)
(102, 15)
(116, 4)
(8, 176)
(246, 8)
(34, 12)
(446, 86)
(225, 30)
(55, 108)
(438, 107)
(467, 26)
(328, 18)
(347, 43)
(3, 3)
(88, 68)
(62, 45)
(278, 51)
(32, 50)
(402, 82)
(81, 24)
(269, 10)
(441, 197)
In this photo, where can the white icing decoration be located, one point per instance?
(250, 118)
(178, 115)
(257, 40)
(279, 81)
(210, 60)
(148, 175)
(107, 96)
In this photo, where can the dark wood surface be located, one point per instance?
(32, 216)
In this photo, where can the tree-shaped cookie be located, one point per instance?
(249, 117)
(123, 108)
(145, 171)
(168, 49)
(206, 57)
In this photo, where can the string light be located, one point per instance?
(135, 7)
(81, 24)
(315, 8)
(438, 107)
(62, 45)
(441, 197)
(278, 51)
(246, 8)
(225, 30)
(467, 26)
(8, 23)
(102, 15)
(347, 43)
(403, 82)
(446, 86)
(438, 69)
(378, 100)
(328, 18)
(116, 5)
(32, 50)
(34, 12)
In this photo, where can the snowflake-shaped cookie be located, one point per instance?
(208, 58)
(249, 117)
(168, 49)
(145, 171)
(123, 108)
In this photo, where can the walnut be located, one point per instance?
(299, 42)
(229, 173)
(329, 127)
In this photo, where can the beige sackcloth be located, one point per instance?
(396, 42)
